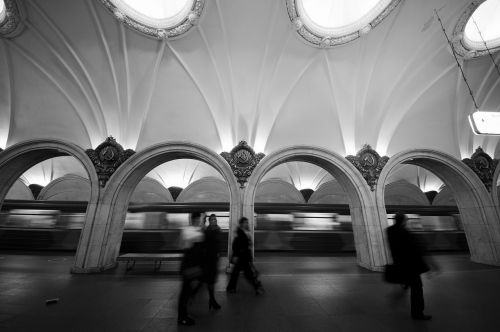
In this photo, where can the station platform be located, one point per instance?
(303, 293)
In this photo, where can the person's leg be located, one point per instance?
(212, 303)
(233, 281)
(251, 276)
(417, 297)
(184, 296)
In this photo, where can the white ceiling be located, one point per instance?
(78, 74)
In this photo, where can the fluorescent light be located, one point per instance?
(485, 123)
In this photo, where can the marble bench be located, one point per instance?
(157, 259)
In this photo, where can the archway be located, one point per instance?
(111, 213)
(476, 207)
(367, 230)
(18, 158)
(495, 188)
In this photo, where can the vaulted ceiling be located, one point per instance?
(77, 73)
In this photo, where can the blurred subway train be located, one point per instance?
(51, 225)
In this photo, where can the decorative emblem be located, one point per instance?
(165, 33)
(107, 157)
(242, 160)
(369, 164)
(482, 164)
(13, 22)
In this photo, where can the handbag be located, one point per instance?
(393, 274)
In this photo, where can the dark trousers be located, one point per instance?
(187, 291)
(417, 296)
(247, 268)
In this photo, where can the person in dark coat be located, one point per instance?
(211, 263)
(192, 243)
(242, 259)
(407, 257)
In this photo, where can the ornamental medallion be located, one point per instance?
(369, 163)
(242, 160)
(483, 165)
(107, 157)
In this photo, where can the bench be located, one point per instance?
(157, 259)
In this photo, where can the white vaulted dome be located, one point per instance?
(81, 71)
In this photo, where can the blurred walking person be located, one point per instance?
(242, 259)
(211, 262)
(192, 243)
(409, 262)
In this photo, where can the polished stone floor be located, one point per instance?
(304, 293)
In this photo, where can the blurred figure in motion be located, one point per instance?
(211, 263)
(192, 243)
(242, 259)
(408, 259)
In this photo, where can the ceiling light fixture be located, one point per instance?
(481, 122)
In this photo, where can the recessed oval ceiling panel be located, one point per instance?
(2, 11)
(483, 27)
(161, 19)
(327, 23)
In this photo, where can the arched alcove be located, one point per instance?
(402, 192)
(151, 191)
(208, 189)
(366, 227)
(18, 158)
(20, 190)
(70, 187)
(444, 198)
(330, 192)
(111, 213)
(278, 191)
(478, 214)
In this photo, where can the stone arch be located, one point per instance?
(477, 212)
(111, 213)
(495, 188)
(20, 157)
(367, 229)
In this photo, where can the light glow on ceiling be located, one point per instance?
(2, 11)
(156, 13)
(487, 18)
(485, 123)
(339, 17)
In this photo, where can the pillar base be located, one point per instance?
(91, 270)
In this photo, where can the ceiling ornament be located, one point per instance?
(458, 35)
(242, 160)
(324, 41)
(107, 157)
(13, 24)
(369, 164)
(167, 33)
(483, 165)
